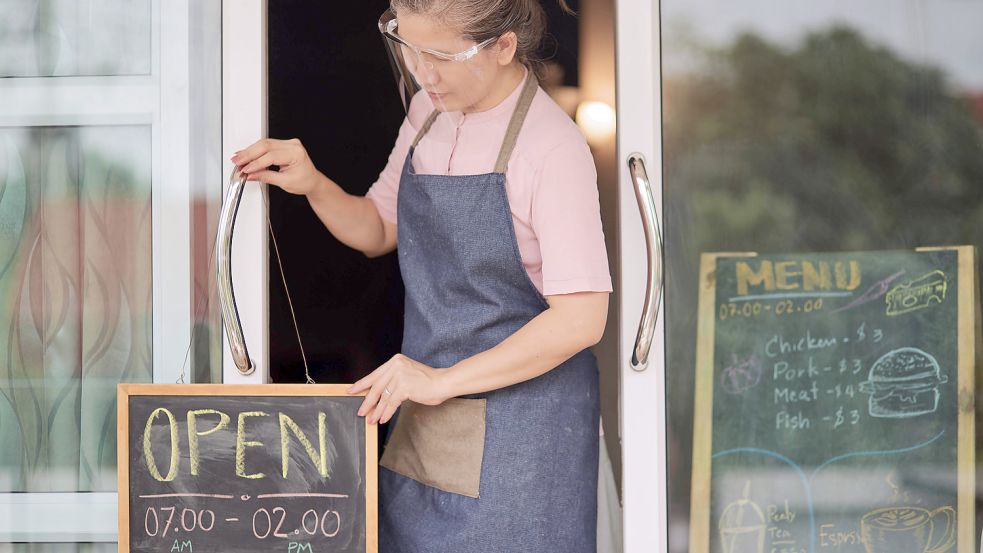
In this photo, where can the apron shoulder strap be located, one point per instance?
(515, 124)
(426, 127)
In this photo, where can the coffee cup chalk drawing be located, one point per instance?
(908, 529)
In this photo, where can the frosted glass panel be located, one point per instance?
(75, 299)
(46, 38)
(62, 548)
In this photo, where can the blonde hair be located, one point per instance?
(480, 20)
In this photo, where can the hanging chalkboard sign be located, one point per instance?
(834, 403)
(280, 467)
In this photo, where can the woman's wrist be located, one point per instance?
(322, 189)
(444, 384)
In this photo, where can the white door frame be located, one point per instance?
(642, 424)
(244, 121)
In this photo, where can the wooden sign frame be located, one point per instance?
(125, 391)
(969, 357)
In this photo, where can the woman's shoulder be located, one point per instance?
(549, 128)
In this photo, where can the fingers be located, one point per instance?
(252, 151)
(379, 403)
(363, 383)
(273, 157)
(388, 402)
(258, 149)
(270, 177)
(379, 396)
(378, 386)
(391, 405)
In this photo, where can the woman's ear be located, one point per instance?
(507, 44)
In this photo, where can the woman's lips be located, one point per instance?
(434, 96)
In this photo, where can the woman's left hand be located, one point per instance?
(394, 382)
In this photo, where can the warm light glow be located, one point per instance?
(597, 121)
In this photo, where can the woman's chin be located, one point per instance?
(444, 105)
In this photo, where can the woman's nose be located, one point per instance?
(428, 74)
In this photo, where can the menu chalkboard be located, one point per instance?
(834, 403)
(280, 467)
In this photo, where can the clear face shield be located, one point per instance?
(454, 77)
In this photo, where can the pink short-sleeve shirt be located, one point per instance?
(550, 181)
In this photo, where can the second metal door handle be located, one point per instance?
(653, 247)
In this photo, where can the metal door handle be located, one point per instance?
(653, 247)
(226, 295)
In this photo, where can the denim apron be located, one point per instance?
(510, 470)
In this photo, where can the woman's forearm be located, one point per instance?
(573, 322)
(353, 220)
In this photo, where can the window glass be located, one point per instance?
(806, 128)
(53, 38)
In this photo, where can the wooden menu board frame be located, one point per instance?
(969, 352)
(125, 391)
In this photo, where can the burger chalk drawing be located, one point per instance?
(903, 383)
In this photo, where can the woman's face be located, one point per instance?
(452, 85)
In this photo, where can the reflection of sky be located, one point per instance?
(947, 33)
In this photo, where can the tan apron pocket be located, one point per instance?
(440, 445)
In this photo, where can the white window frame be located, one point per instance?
(161, 100)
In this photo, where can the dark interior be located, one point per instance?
(330, 85)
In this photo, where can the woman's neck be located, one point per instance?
(510, 79)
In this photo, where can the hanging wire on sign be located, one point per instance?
(283, 278)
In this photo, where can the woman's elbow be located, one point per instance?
(591, 319)
(596, 331)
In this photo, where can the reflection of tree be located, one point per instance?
(835, 145)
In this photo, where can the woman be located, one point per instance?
(490, 195)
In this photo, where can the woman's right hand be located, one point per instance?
(297, 173)
(353, 220)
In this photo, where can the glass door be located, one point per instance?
(110, 183)
(812, 165)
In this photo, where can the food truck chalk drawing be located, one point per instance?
(916, 294)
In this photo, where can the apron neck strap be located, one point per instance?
(426, 127)
(515, 123)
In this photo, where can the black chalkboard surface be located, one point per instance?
(834, 403)
(279, 467)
